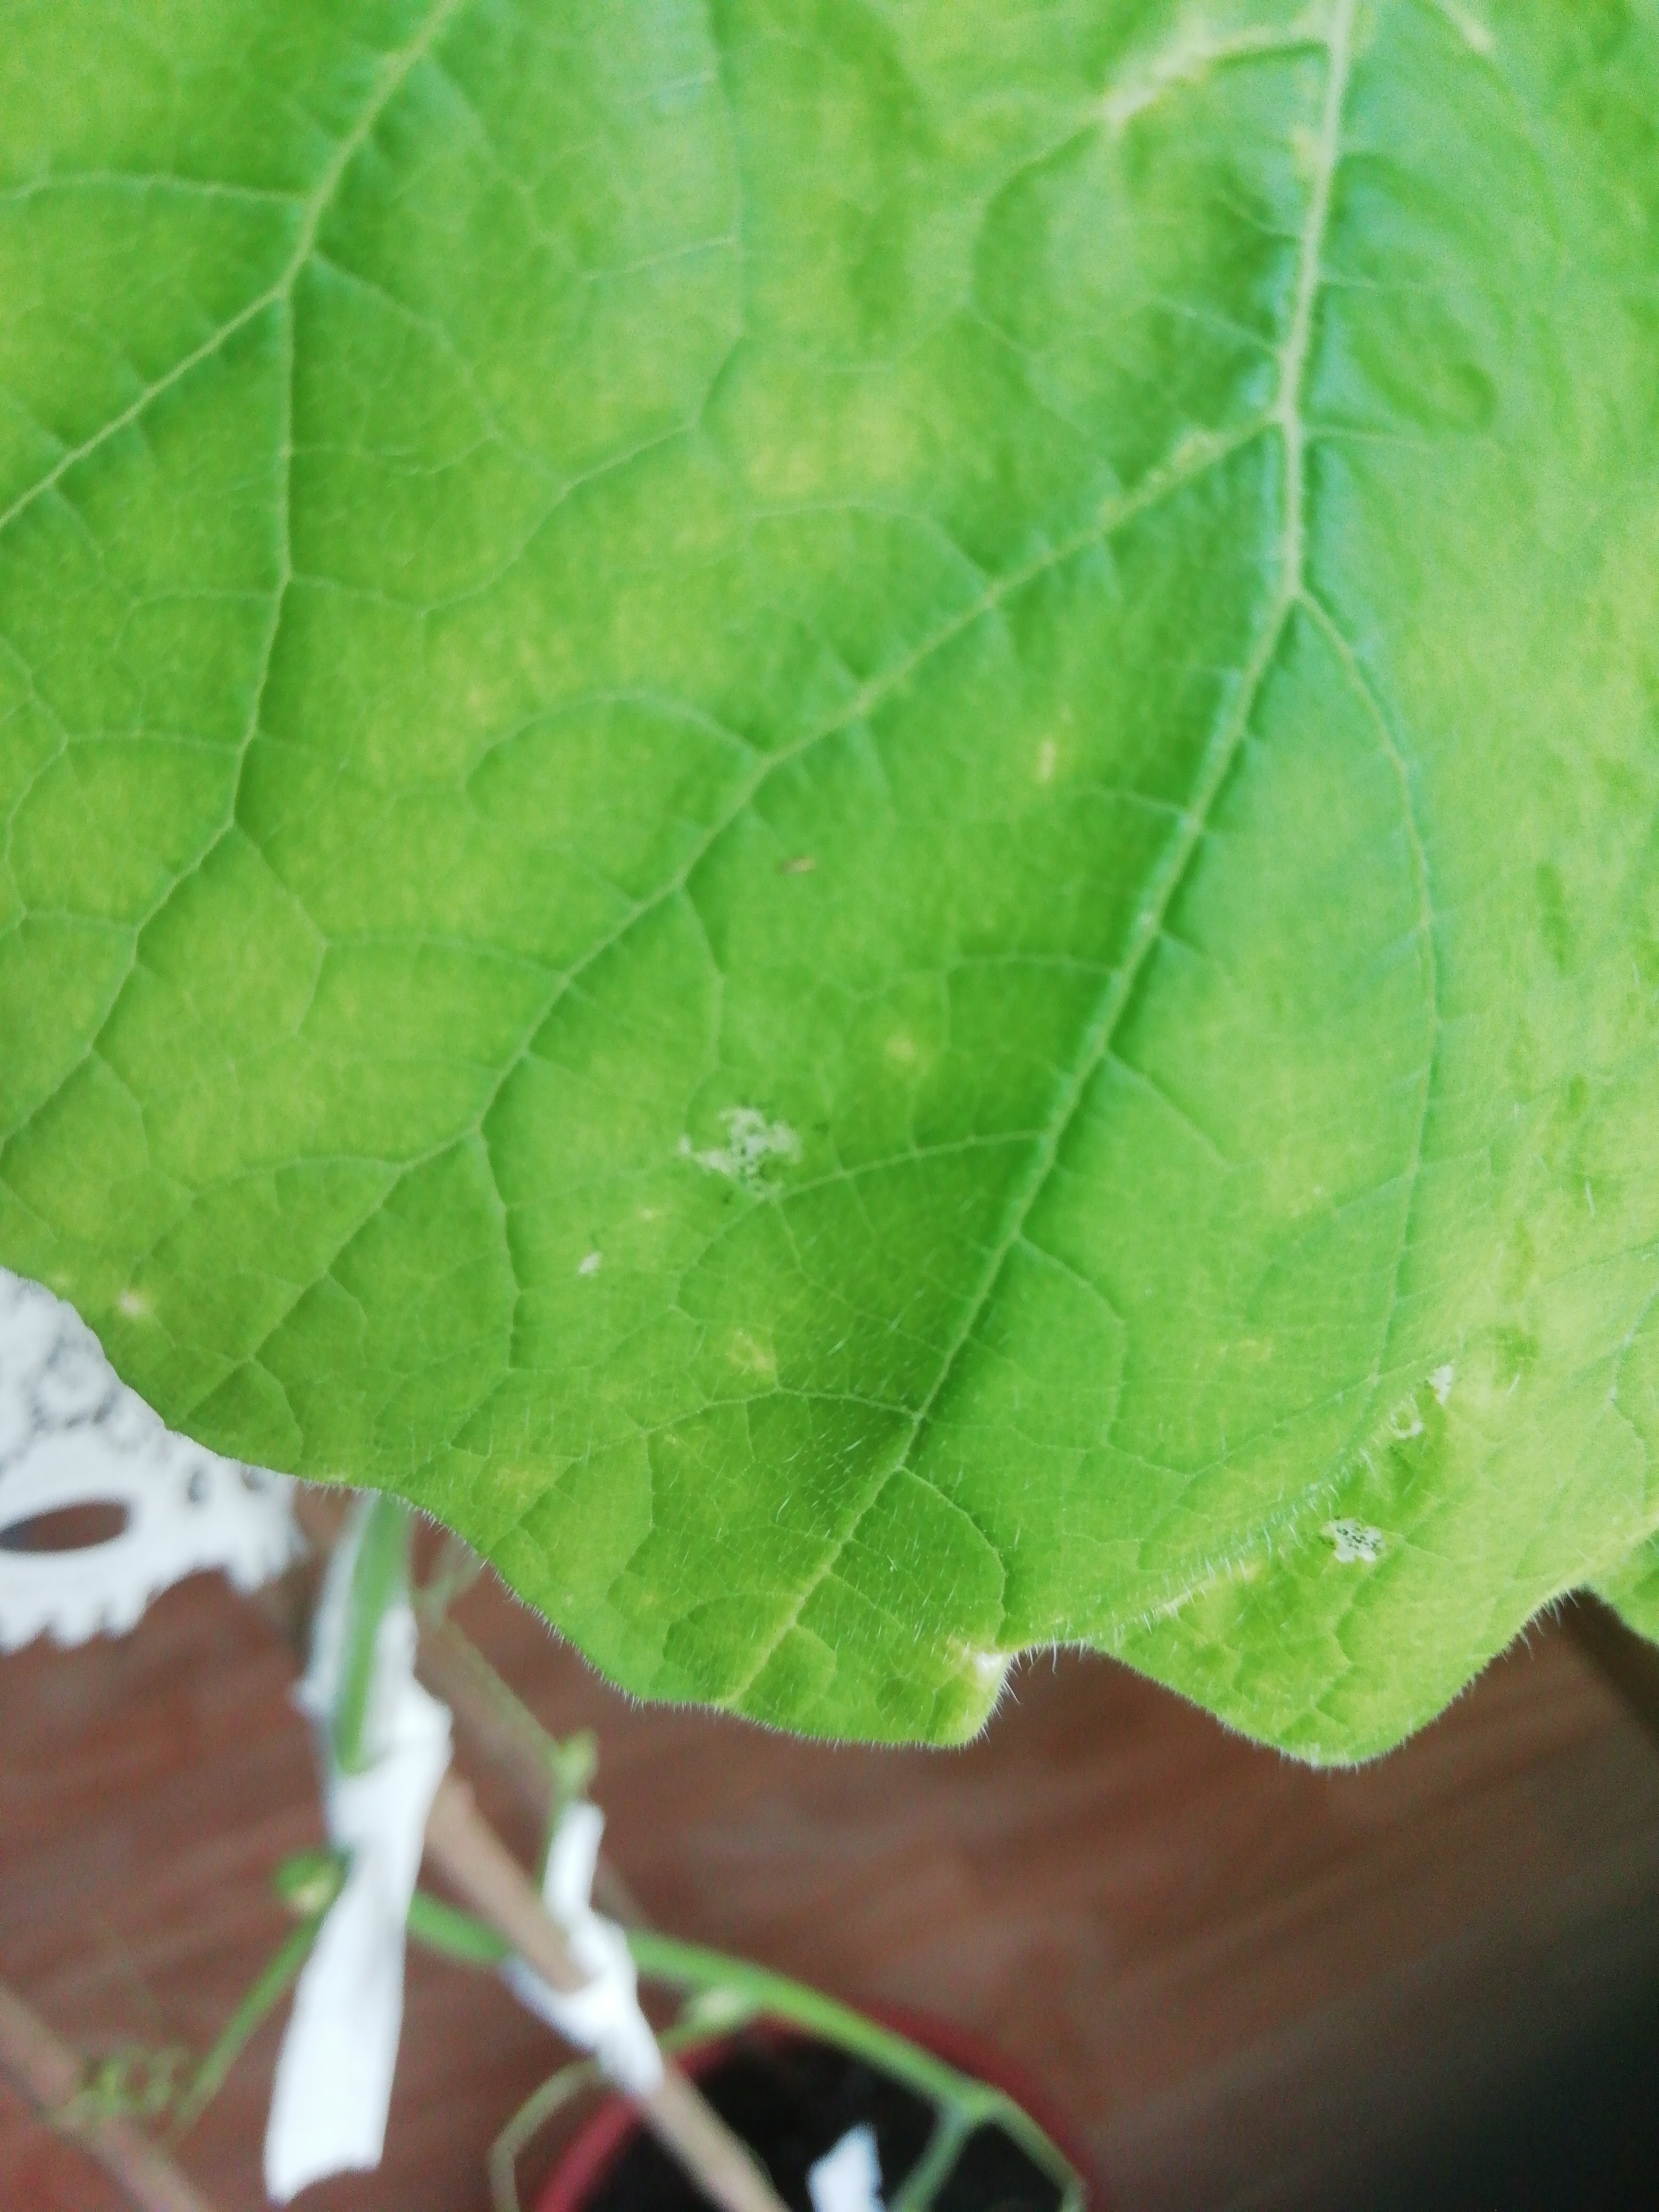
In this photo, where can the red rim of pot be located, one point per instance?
(603, 2135)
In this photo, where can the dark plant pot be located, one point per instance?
(792, 2098)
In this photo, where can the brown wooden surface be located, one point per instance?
(1248, 1984)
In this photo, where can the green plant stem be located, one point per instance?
(531, 2116)
(963, 2103)
(471, 1857)
(922, 2183)
(534, 1755)
(454, 1935)
(48, 2074)
(280, 1973)
(457, 1567)
(379, 1577)
(688, 1965)
(538, 2108)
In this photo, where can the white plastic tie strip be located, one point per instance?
(604, 2017)
(72, 1434)
(848, 2178)
(333, 2087)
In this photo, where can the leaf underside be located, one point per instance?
(845, 812)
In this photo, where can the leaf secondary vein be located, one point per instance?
(1365, 691)
(388, 83)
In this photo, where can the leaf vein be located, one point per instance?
(1187, 842)
(314, 211)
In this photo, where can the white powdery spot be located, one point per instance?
(590, 1264)
(1405, 1422)
(1354, 1544)
(752, 1143)
(1441, 1382)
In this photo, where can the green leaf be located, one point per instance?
(1633, 1588)
(846, 813)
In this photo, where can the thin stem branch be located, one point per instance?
(501, 1725)
(690, 1966)
(498, 1722)
(380, 1578)
(275, 1980)
(465, 1848)
(48, 2074)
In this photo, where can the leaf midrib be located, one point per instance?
(1285, 417)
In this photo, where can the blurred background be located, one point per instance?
(1434, 1982)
